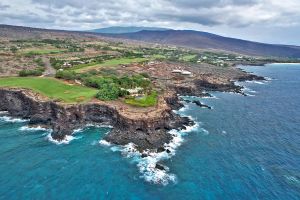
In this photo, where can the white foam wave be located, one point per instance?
(4, 112)
(224, 132)
(77, 130)
(115, 148)
(104, 143)
(183, 109)
(245, 89)
(66, 140)
(210, 97)
(37, 128)
(197, 97)
(147, 165)
(191, 128)
(268, 78)
(11, 119)
(69, 138)
(259, 82)
(99, 126)
(204, 131)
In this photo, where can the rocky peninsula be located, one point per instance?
(147, 128)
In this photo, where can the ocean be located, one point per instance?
(243, 148)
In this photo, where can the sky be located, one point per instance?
(269, 21)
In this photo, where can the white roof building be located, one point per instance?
(183, 72)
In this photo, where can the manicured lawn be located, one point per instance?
(188, 57)
(52, 88)
(149, 100)
(111, 63)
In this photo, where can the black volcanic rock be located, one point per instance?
(205, 85)
(64, 119)
(160, 149)
(198, 103)
(251, 77)
(159, 166)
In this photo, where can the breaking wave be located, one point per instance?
(98, 126)
(37, 128)
(257, 82)
(104, 143)
(149, 162)
(66, 140)
(72, 137)
(11, 119)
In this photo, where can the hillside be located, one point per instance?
(204, 40)
(129, 29)
(184, 38)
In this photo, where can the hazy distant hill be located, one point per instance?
(204, 40)
(130, 29)
(185, 38)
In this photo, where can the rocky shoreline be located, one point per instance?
(146, 132)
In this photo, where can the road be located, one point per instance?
(50, 71)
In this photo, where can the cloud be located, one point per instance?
(188, 14)
(210, 3)
(3, 6)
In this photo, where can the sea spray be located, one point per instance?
(69, 138)
(104, 143)
(36, 128)
(66, 140)
(147, 161)
(12, 120)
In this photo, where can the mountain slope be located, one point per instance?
(203, 40)
(130, 29)
(191, 39)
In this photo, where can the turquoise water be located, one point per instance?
(244, 148)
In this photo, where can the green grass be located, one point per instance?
(110, 63)
(188, 57)
(81, 67)
(43, 51)
(158, 56)
(52, 88)
(147, 101)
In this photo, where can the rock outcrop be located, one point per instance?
(146, 133)
(147, 128)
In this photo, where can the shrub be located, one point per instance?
(67, 75)
(108, 92)
(39, 62)
(34, 72)
(13, 49)
(56, 64)
(144, 74)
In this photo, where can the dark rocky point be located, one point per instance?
(198, 103)
(145, 133)
(159, 166)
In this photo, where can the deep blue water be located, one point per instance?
(244, 148)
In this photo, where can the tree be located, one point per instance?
(108, 92)
(13, 49)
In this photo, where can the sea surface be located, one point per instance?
(244, 148)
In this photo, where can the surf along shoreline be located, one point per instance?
(148, 137)
(146, 130)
